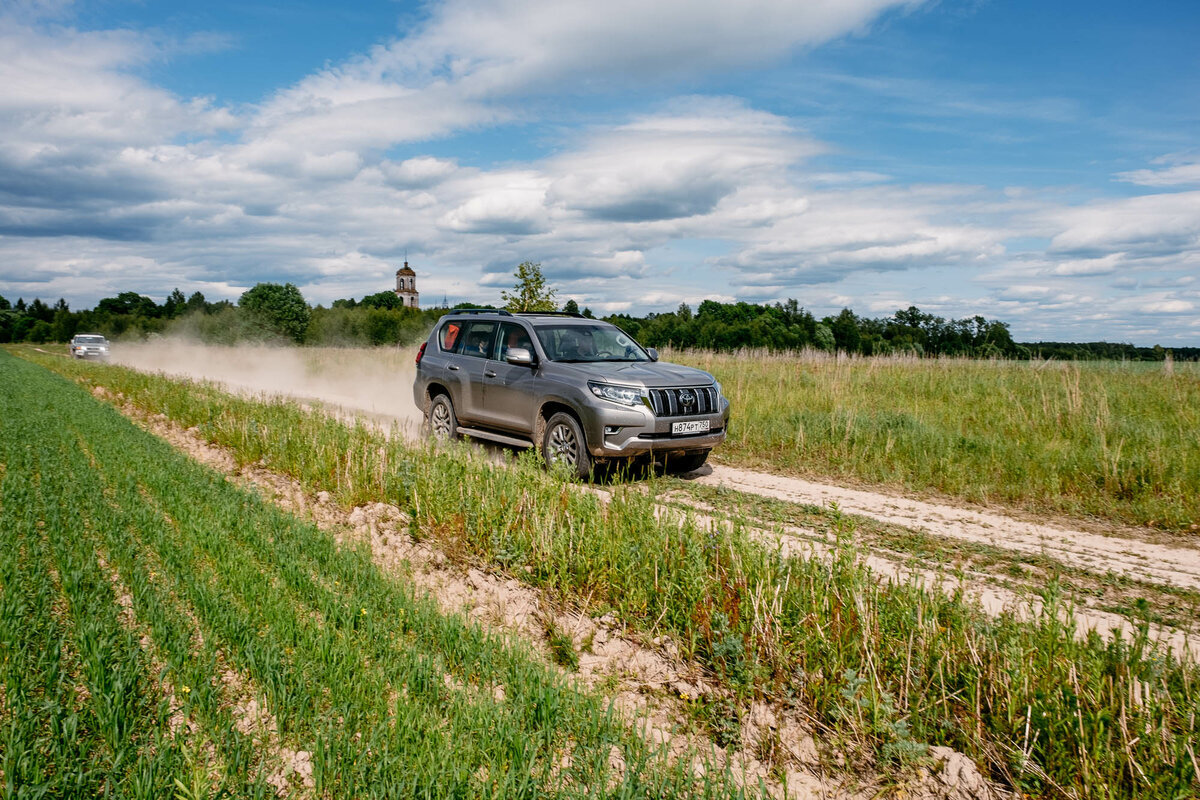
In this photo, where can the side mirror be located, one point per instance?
(519, 356)
(650, 351)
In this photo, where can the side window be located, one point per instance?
(478, 338)
(511, 335)
(450, 336)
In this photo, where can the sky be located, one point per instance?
(1033, 162)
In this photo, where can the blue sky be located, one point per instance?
(1037, 163)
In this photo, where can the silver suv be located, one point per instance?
(89, 345)
(580, 390)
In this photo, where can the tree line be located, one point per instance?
(278, 312)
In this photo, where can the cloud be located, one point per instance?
(418, 173)
(1149, 225)
(511, 204)
(1183, 171)
(1105, 265)
(471, 59)
(1167, 307)
(676, 164)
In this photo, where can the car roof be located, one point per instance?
(536, 317)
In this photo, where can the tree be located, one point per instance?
(40, 311)
(845, 330)
(4, 304)
(174, 305)
(278, 309)
(530, 292)
(389, 300)
(571, 307)
(196, 303)
(129, 303)
(824, 337)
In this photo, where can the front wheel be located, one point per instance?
(563, 443)
(440, 423)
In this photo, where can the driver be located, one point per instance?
(577, 346)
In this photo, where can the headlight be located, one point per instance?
(625, 395)
(718, 385)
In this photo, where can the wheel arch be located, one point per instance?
(432, 391)
(548, 410)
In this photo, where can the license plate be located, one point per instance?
(694, 426)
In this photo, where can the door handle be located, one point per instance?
(490, 374)
(452, 367)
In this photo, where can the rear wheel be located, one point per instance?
(441, 424)
(563, 443)
(688, 462)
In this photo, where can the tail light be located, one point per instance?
(421, 352)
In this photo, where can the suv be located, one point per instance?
(580, 390)
(89, 345)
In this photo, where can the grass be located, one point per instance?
(110, 535)
(885, 669)
(1095, 439)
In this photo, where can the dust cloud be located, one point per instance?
(371, 382)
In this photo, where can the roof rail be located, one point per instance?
(575, 314)
(499, 311)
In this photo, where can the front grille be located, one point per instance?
(670, 402)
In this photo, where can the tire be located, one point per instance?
(688, 462)
(563, 443)
(441, 423)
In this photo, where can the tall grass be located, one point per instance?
(892, 667)
(1111, 440)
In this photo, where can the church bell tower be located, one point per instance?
(406, 287)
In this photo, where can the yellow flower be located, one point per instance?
(363, 612)
(186, 690)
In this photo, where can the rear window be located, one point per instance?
(478, 338)
(450, 336)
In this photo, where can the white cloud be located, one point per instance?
(472, 57)
(1183, 171)
(506, 203)
(1148, 225)
(1105, 265)
(1167, 307)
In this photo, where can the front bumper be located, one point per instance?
(615, 431)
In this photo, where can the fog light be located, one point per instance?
(609, 430)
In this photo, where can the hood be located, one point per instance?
(649, 374)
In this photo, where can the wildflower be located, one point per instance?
(186, 689)
(363, 612)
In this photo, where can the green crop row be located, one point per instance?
(896, 667)
(390, 697)
(1109, 440)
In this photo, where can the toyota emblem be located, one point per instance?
(687, 397)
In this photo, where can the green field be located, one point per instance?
(133, 582)
(1091, 439)
(883, 670)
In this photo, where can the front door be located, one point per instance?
(509, 390)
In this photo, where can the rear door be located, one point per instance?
(466, 369)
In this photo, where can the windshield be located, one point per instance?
(90, 340)
(579, 343)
